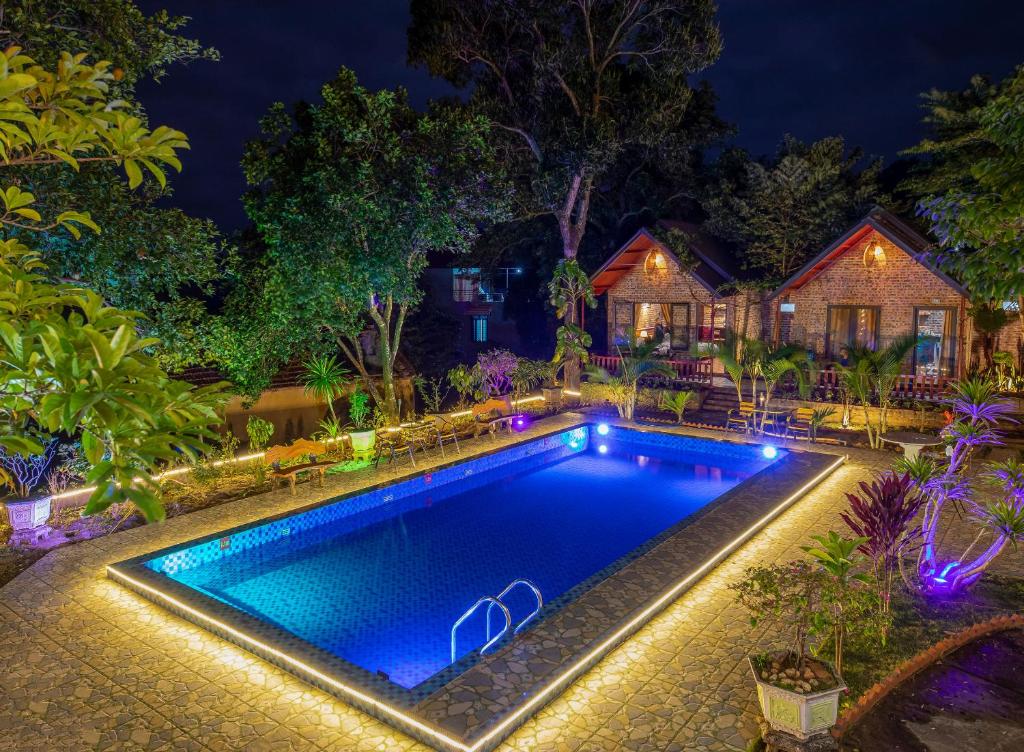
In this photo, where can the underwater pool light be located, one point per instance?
(603, 449)
(769, 452)
(602, 428)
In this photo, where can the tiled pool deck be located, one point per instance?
(86, 664)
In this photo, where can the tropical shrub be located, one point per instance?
(325, 378)
(466, 383)
(432, 391)
(495, 369)
(850, 605)
(883, 516)
(677, 402)
(976, 410)
(359, 412)
(788, 596)
(635, 363)
(259, 432)
(872, 374)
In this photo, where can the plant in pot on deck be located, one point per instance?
(799, 694)
(361, 431)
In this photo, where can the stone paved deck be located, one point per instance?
(88, 665)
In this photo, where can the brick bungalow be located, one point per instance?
(875, 283)
(692, 297)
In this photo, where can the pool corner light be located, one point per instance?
(602, 429)
(769, 452)
(603, 449)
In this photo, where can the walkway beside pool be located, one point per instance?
(89, 665)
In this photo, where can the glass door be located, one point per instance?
(935, 351)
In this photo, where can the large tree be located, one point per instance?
(149, 257)
(783, 210)
(349, 196)
(973, 173)
(572, 88)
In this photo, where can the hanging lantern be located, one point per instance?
(655, 262)
(874, 255)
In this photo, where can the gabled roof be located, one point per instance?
(886, 223)
(715, 267)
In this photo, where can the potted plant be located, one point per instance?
(799, 693)
(361, 431)
(28, 501)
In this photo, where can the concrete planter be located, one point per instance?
(801, 715)
(27, 514)
(363, 441)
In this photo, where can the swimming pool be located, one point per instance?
(366, 589)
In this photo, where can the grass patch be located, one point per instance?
(921, 621)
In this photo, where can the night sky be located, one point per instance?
(813, 68)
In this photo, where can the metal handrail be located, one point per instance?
(469, 612)
(506, 591)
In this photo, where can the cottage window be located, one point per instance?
(712, 323)
(622, 322)
(934, 353)
(851, 326)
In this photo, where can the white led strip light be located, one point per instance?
(544, 693)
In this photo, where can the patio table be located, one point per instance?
(778, 419)
(911, 441)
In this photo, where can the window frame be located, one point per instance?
(853, 306)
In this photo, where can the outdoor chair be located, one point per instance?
(441, 431)
(800, 422)
(392, 443)
(741, 418)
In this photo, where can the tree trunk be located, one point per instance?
(572, 221)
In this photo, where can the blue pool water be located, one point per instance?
(381, 587)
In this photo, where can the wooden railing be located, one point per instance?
(695, 370)
(908, 385)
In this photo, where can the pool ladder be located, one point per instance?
(493, 601)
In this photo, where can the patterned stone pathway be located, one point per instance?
(88, 665)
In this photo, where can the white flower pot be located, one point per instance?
(363, 441)
(802, 715)
(28, 514)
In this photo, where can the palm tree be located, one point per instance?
(732, 355)
(325, 379)
(874, 373)
(770, 365)
(635, 363)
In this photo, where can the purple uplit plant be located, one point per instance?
(976, 410)
(26, 473)
(496, 368)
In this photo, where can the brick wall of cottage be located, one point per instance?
(896, 287)
(673, 284)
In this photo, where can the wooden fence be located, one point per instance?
(693, 370)
(908, 385)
